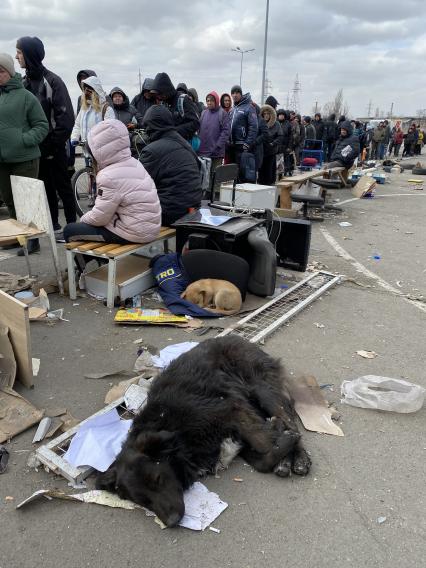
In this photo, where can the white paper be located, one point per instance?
(98, 441)
(208, 219)
(202, 507)
(168, 354)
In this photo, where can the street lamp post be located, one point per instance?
(242, 52)
(264, 52)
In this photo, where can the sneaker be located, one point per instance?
(59, 237)
(57, 227)
(33, 246)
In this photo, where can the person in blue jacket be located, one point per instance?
(243, 126)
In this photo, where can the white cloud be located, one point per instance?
(373, 50)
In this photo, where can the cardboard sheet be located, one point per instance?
(16, 414)
(311, 406)
(7, 359)
(12, 228)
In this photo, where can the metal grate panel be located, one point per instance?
(264, 321)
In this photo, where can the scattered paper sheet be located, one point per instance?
(311, 406)
(367, 354)
(208, 219)
(98, 441)
(202, 506)
(171, 352)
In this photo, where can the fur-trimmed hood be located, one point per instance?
(273, 115)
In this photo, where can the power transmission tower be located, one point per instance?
(140, 80)
(268, 87)
(370, 104)
(295, 97)
(287, 105)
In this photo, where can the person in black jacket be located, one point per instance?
(331, 134)
(286, 147)
(268, 170)
(272, 101)
(144, 100)
(172, 164)
(319, 127)
(184, 112)
(124, 111)
(347, 147)
(244, 126)
(55, 100)
(310, 133)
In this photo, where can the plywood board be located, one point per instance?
(14, 315)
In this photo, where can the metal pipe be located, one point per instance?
(265, 46)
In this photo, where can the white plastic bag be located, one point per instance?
(383, 393)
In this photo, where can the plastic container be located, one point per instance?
(383, 393)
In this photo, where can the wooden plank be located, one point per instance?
(73, 245)
(285, 197)
(89, 246)
(166, 232)
(123, 249)
(105, 248)
(14, 315)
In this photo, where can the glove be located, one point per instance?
(130, 126)
(74, 142)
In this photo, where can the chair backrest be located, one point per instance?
(29, 198)
(227, 173)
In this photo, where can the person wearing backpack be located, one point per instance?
(173, 165)
(53, 96)
(184, 112)
(215, 127)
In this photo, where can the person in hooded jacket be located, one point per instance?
(226, 102)
(319, 127)
(55, 100)
(83, 74)
(268, 170)
(144, 100)
(127, 207)
(272, 101)
(214, 132)
(193, 95)
(23, 126)
(183, 110)
(346, 149)
(172, 164)
(331, 134)
(124, 111)
(94, 109)
(286, 147)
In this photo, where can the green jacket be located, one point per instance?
(23, 124)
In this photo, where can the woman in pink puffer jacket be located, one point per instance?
(127, 208)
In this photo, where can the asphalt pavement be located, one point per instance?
(362, 505)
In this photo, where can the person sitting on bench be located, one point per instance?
(127, 208)
(347, 148)
(172, 164)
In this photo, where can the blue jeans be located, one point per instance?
(382, 149)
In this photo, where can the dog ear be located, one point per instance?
(108, 479)
(157, 444)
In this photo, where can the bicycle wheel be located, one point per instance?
(83, 184)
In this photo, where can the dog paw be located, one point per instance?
(283, 468)
(301, 463)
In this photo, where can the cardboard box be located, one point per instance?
(133, 277)
(365, 186)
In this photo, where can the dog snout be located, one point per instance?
(172, 520)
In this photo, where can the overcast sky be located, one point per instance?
(373, 49)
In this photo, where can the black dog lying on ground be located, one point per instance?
(225, 396)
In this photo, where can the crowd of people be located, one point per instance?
(39, 131)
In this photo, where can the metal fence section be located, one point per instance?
(265, 320)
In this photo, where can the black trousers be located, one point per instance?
(54, 173)
(268, 170)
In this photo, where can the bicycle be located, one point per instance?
(83, 184)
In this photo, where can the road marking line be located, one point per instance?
(361, 268)
(379, 196)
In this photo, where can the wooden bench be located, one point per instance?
(113, 253)
(287, 185)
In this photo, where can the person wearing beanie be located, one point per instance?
(346, 149)
(144, 100)
(184, 111)
(55, 100)
(23, 127)
(309, 128)
(244, 125)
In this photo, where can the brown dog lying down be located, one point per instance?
(217, 296)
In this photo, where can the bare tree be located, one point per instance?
(337, 106)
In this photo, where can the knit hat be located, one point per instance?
(7, 63)
(236, 89)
